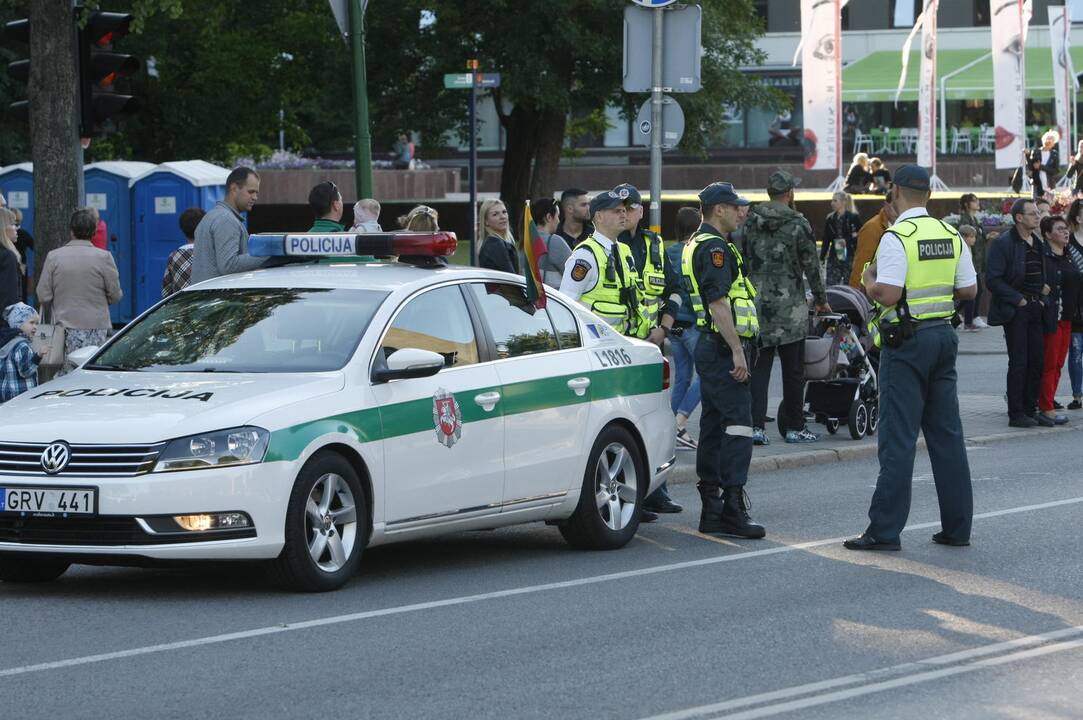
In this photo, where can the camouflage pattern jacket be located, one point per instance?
(781, 253)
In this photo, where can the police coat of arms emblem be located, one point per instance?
(447, 416)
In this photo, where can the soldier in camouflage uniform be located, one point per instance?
(781, 254)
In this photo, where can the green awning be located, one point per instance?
(874, 77)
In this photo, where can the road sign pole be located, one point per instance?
(656, 122)
(362, 136)
(473, 163)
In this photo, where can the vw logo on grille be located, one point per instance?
(55, 457)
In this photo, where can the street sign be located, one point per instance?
(654, 3)
(681, 49)
(672, 123)
(462, 81)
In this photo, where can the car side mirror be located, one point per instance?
(409, 363)
(80, 356)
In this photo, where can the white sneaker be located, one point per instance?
(979, 323)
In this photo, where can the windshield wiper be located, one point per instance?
(216, 370)
(106, 366)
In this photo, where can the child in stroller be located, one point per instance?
(840, 365)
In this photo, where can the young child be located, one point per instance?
(18, 361)
(969, 236)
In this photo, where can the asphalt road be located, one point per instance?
(514, 624)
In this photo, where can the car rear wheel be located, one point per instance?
(611, 500)
(326, 526)
(30, 570)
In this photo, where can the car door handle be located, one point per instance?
(579, 385)
(488, 400)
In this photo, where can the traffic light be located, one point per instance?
(100, 68)
(18, 31)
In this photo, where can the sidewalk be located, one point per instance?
(985, 420)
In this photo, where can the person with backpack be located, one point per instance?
(18, 361)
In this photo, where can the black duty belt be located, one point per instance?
(937, 322)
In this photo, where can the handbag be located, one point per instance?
(51, 335)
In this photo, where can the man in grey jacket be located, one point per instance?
(221, 243)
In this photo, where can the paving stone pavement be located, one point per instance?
(984, 418)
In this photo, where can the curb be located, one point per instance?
(790, 461)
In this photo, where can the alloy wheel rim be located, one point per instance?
(616, 487)
(330, 523)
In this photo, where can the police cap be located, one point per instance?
(606, 201)
(914, 177)
(718, 193)
(629, 193)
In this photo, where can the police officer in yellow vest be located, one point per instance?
(601, 272)
(722, 300)
(649, 252)
(920, 268)
(602, 275)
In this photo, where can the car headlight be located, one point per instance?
(221, 448)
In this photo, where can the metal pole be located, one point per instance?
(943, 118)
(472, 124)
(362, 137)
(656, 122)
(281, 130)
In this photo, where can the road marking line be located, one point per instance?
(640, 536)
(468, 599)
(928, 669)
(701, 536)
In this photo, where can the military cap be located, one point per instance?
(718, 193)
(914, 177)
(781, 182)
(606, 201)
(629, 193)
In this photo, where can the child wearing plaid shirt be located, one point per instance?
(18, 361)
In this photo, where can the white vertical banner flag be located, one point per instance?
(821, 82)
(1009, 26)
(927, 88)
(1060, 27)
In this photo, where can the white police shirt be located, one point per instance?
(581, 270)
(891, 262)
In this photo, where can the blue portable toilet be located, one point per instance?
(159, 196)
(17, 186)
(108, 189)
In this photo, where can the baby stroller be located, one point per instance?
(840, 366)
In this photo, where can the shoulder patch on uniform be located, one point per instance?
(580, 270)
(718, 258)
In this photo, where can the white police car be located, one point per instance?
(301, 413)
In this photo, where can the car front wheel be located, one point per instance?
(610, 503)
(326, 526)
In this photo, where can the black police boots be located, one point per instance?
(735, 519)
(710, 517)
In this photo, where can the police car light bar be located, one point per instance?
(319, 245)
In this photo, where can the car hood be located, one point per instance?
(141, 407)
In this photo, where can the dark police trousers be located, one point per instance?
(1024, 336)
(725, 424)
(918, 393)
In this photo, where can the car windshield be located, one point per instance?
(257, 330)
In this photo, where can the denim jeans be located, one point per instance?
(1075, 364)
(684, 396)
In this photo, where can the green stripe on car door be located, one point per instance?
(415, 416)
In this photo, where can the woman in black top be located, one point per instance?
(881, 178)
(858, 177)
(11, 290)
(840, 238)
(498, 251)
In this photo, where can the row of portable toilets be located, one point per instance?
(141, 204)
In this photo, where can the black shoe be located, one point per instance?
(941, 539)
(1044, 420)
(768, 419)
(1075, 405)
(1022, 421)
(664, 505)
(1057, 405)
(735, 518)
(710, 516)
(646, 516)
(868, 542)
